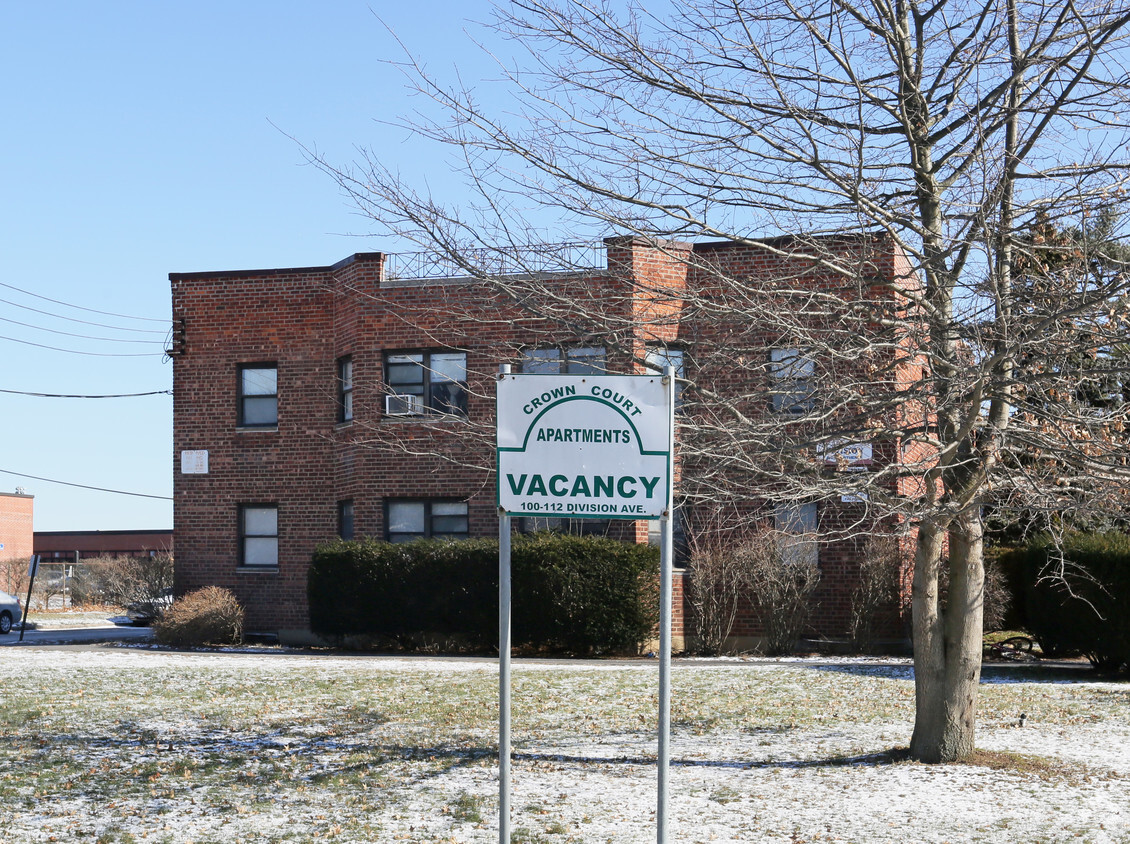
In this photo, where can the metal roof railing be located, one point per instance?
(501, 261)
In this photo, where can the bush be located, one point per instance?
(142, 581)
(87, 588)
(576, 594)
(13, 576)
(880, 565)
(781, 577)
(208, 616)
(584, 594)
(997, 598)
(1077, 593)
(714, 592)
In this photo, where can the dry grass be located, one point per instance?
(128, 746)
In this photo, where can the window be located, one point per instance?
(427, 382)
(345, 389)
(679, 541)
(258, 395)
(259, 535)
(796, 526)
(345, 519)
(658, 358)
(571, 527)
(581, 360)
(408, 520)
(792, 371)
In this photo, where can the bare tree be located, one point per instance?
(907, 149)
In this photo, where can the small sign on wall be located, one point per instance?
(194, 462)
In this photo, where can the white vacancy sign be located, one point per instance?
(590, 446)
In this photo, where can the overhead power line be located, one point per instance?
(84, 486)
(74, 396)
(80, 336)
(79, 307)
(85, 321)
(92, 354)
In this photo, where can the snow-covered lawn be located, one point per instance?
(121, 745)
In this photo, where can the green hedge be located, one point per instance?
(1085, 611)
(574, 594)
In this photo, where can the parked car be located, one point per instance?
(10, 611)
(144, 613)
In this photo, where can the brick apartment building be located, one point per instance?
(357, 400)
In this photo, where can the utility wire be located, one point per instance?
(84, 486)
(80, 336)
(91, 354)
(85, 321)
(79, 307)
(68, 396)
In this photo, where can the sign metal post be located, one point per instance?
(32, 570)
(666, 556)
(503, 666)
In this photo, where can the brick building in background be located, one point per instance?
(74, 545)
(349, 400)
(16, 533)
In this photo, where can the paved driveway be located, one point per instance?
(85, 635)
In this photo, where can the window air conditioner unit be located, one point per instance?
(404, 405)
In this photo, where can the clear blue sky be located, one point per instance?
(138, 141)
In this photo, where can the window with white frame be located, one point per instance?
(561, 360)
(408, 519)
(259, 535)
(426, 382)
(258, 395)
(345, 389)
(796, 526)
(792, 372)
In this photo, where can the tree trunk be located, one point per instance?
(947, 643)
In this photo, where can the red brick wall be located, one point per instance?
(16, 513)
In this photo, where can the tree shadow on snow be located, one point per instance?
(991, 672)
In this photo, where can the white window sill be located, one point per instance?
(417, 418)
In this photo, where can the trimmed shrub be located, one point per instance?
(583, 594)
(575, 594)
(1077, 594)
(208, 616)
